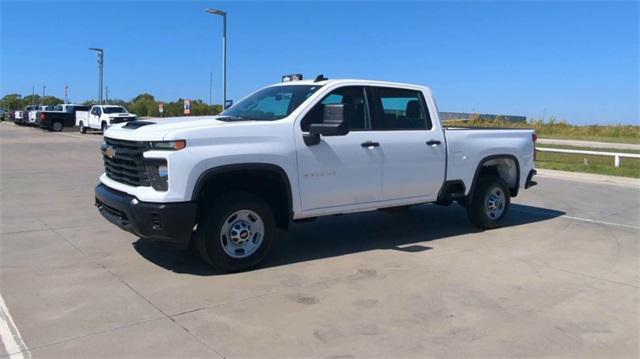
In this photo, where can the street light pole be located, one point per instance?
(43, 88)
(224, 52)
(101, 66)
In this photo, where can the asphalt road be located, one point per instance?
(591, 144)
(562, 279)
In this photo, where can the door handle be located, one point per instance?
(433, 142)
(369, 144)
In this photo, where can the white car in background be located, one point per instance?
(100, 117)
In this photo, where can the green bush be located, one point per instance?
(561, 129)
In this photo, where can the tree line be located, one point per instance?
(143, 105)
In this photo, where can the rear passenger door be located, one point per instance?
(413, 150)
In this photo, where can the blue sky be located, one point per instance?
(573, 60)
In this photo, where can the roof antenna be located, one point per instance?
(320, 78)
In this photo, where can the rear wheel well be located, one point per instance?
(268, 184)
(505, 167)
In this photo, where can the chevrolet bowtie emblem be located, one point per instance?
(110, 152)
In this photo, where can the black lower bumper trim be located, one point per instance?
(169, 223)
(530, 182)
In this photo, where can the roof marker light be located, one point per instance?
(292, 77)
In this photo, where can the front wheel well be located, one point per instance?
(269, 183)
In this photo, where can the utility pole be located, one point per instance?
(43, 88)
(107, 95)
(33, 94)
(101, 66)
(224, 52)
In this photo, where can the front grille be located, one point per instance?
(122, 119)
(126, 163)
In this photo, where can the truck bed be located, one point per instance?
(469, 146)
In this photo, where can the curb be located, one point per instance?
(589, 177)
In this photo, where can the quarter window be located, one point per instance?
(400, 109)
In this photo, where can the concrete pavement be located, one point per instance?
(562, 279)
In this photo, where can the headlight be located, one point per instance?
(167, 145)
(158, 174)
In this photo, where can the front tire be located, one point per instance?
(236, 232)
(83, 129)
(490, 203)
(103, 127)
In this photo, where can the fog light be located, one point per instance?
(158, 174)
(162, 171)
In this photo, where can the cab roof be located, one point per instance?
(351, 81)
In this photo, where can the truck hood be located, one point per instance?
(115, 115)
(158, 129)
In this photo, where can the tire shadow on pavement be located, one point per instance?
(340, 235)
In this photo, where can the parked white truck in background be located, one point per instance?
(100, 117)
(298, 150)
(33, 113)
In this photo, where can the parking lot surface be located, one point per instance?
(561, 279)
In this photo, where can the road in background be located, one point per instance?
(560, 280)
(590, 144)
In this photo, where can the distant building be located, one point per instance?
(444, 116)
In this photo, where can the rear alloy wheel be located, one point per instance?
(57, 126)
(490, 202)
(236, 232)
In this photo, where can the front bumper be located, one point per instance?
(167, 223)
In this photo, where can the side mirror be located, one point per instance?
(336, 120)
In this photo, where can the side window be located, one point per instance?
(400, 109)
(352, 96)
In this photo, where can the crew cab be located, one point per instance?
(100, 117)
(61, 116)
(298, 150)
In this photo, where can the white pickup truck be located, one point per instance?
(100, 117)
(298, 150)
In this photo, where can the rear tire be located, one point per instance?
(83, 129)
(236, 232)
(490, 203)
(57, 126)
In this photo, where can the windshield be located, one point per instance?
(270, 103)
(114, 110)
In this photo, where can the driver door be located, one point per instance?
(340, 171)
(94, 117)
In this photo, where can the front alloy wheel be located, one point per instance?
(242, 233)
(236, 231)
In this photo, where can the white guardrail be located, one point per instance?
(616, 156)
